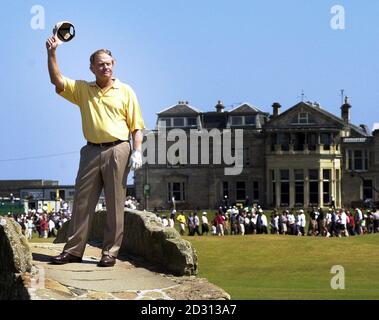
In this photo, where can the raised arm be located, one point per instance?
(55, 74)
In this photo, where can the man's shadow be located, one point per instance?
(136, 261)
(39, 257)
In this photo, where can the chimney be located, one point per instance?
(220, 107)
(345, 111)
(375, 129)
(276, 109)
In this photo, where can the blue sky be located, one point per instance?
(200, 51)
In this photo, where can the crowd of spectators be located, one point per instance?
(43, 223)
(232, 220)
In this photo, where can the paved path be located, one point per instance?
(127, 280)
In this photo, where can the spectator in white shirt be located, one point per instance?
(204, 224)
(51, 227)
(29, 227)
(301, 222)
(328, 222)
(165, 221)
(358, 217)
(264, 222)
(343, 223)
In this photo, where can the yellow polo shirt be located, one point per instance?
(106, 116)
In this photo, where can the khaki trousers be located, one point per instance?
(99, 167)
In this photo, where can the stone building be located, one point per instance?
(302, 157)
(14, 186)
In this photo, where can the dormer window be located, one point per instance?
(302, 117)
(178, 122)
(243, 120)
(191, 122)
(250, 120)
(165, 122)
(237, 121)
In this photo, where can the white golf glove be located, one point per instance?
(135, 160)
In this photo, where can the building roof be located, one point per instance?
(245, 107)
(318, 109)
(181, 108)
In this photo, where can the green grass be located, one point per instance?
(37, 239)
(286, 267)
(42, 240)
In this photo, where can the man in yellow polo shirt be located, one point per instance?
(110, 115)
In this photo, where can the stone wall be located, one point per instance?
(145, 236)
(15, 258)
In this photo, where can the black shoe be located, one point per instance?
(107, 261)
(64, 258)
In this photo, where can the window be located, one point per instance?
(358, 163)
(165, 122)
(250, 120)
(325, 140)
(350, 159)
(255, 190)
(273, 183)
(313, 175)
(225, 189)
(273, 141)
(302, 117)
(337, 195)
(299, 175)
(176, 190)
(246, 156)
(191, 122)
(284, 175)
(367, 189)
(357, 160)
(178, 122)
(284, 188)
(326, 186)
(284, 140)
(240, 190)
(312, 141)
(237, 121)
(326, 174)
(243, 120)
(284, 194)
(313, 187)
(298, 141)
(299, 188)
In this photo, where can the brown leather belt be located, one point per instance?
(105, 144)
